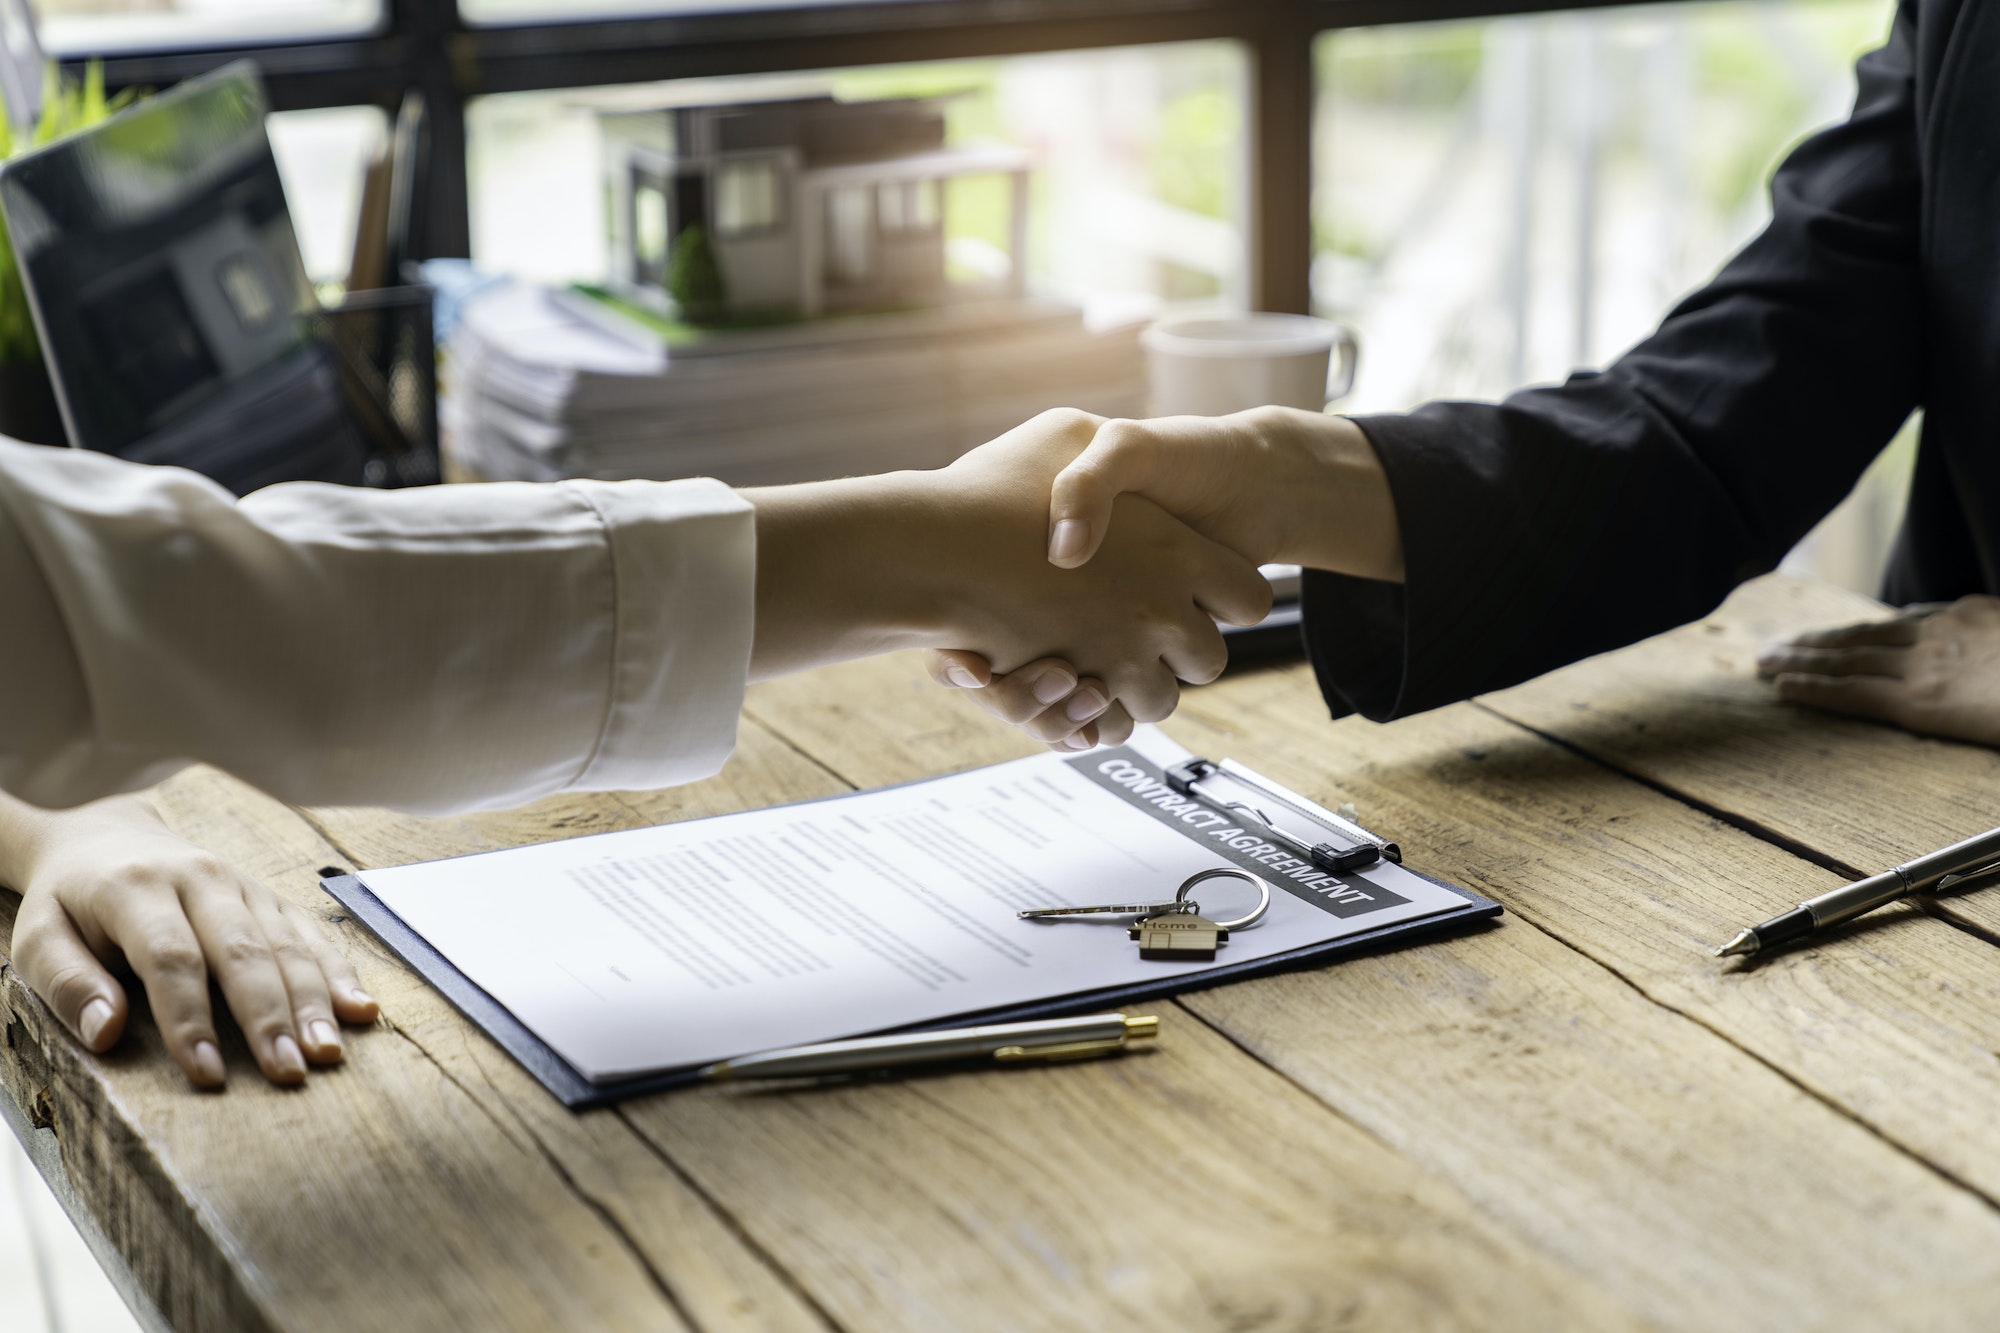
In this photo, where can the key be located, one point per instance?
(1179, 937)
(1109, 909)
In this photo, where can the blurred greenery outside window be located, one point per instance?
(1497, 203)
(1136, 197)
(107, 26)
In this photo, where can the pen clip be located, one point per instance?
(1067, 1050)
(1138, 1028)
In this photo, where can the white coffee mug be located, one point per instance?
(1211, 365)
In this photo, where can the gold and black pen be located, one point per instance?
(1006, 1043)
(1979, 852)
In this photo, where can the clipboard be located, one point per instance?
(569, 1086)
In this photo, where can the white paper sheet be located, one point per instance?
(687, 943)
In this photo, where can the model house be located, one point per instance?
(808, 205)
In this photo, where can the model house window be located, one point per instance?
(746, 197)
(850, 224)
(649, 227)
(907, 206)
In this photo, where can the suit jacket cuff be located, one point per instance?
(1445, 633)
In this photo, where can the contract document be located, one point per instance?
(667, 948)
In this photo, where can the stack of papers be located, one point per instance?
(540, 386)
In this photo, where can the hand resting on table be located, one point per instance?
(107, 887)
(1932, 669)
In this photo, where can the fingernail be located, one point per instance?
(1054, 684)
(360, 996)
(1067, 541)
(1086, 704)
(324, 1034)
(962, 678)
(1076, 743)
(91, 1022)
(208, 1061)
(285, 1055)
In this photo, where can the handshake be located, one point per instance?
(1071, 572)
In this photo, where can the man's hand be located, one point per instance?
(108, 884)
(1932, 669)
(1272, 484)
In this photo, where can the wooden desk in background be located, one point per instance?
(1573, 1119)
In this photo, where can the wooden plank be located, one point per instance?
(1188, 1188)
(1577, 1103)
(1685, 711)
(427, 1183)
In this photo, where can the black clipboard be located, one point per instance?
(575, 1091)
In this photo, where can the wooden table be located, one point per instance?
(1573, 1119)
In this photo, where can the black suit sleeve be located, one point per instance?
(1567, 521)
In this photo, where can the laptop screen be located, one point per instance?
(166, 283)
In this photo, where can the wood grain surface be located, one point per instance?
(1591, 1102)
(1573, 1119)
(1687, 713)
(1140, 1193)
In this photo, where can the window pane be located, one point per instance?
(571, 11)
(850, 228)
(649, 226)
(81, 27)
(889, 207)
(746, 197)
(1499, 202)
(321, 157)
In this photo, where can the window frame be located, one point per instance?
(427, 45)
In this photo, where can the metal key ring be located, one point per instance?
(1255, 915)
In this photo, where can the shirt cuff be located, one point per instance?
(684, 567)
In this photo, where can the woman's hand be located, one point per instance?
(108, 884)
(1932, 669)
(1047, 699)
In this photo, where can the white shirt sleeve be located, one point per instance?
(439, 649)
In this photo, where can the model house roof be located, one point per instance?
(824, 131)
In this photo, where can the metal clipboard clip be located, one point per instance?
(1187, 779)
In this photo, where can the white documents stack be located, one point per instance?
(538, 388)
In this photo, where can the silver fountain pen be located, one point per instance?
(1979, 852)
